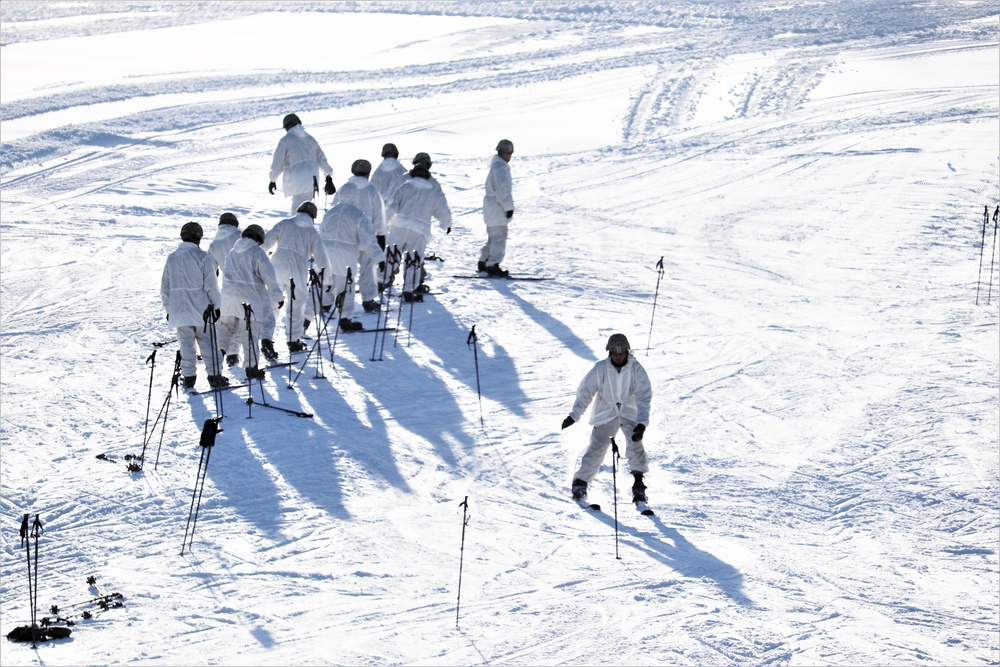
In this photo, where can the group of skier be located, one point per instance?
(224, 300)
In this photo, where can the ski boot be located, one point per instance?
(267, 349)
(189, 381)
(481, 267)
(347, 324)
(371, 306)
(638, 489)
(296, 346)
(496, 272)
(218, 381)
(254, 373)
(579, 489)
(232, 360)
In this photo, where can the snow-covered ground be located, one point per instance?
(824, 438)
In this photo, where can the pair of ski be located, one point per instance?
(640, 506)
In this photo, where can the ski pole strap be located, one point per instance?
(471, 340)
(151, 359)
(36, 527)
(247, 311)
(24, 530)
(659, 265)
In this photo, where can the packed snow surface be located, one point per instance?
(822, 338)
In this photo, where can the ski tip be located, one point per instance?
(647, 512)
(594, 506)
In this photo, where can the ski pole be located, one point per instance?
(289, 316)
(471, 342)
(417, 270)
(982, 247)
(151, 362)
(211, 317)
(659, 274)
(208, 433)
(175, 380)
(993, 252)
(408, 262)
(614, 477)
(461, 558)
(26, 543)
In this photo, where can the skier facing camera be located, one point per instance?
(298, 159)
(620, 391)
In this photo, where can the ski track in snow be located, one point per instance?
(824, 431)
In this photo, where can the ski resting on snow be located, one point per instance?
(510, 277)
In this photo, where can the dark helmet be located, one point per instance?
(192, 232)
(420, 170)
(228, 218)
(290, 121)
(390, 150)
(505, 146)
(618, 344)
(422, 158)
(361, 167)
(255, 232)
(309, 208)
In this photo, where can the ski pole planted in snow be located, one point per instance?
(471, 342)
(208, 433)
(659, 274)
(461, 557)
(982, 248)
(174, 386)
(27, 534)
(614, 478)
(151, 362)
(993, 252)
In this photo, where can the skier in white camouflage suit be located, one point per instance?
(189, 291)
(292, 243)
(621, 393)
(248, 278)
(225, 237)
(498, 210)
(409, 211)
(389, 174)
(360, 191)
(348, 236)
(298, 159)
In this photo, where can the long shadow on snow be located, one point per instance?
(410, 393)
(673, 550)
(447, 338)
(234, 471)
(297, 448)
(560, 332)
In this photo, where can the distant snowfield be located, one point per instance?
(823, 442)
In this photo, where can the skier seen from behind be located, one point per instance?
(498, 210)
(189, 291)
(298, 159)
(363, 194)
(389, 174)
(348, 238)
(409, 211)
(620, 391)
(248, 278)
(292, 243)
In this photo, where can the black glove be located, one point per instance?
(637, 432)
(448, 231)
(510, 214)
(218, 314)
(328, 187)
(569, 421)
(381, 241)
(168, 317)
(315, 185)
(271, 186)
(281, 303)
(381, 267)
(328, 288)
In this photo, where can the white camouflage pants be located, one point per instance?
(600, 441)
